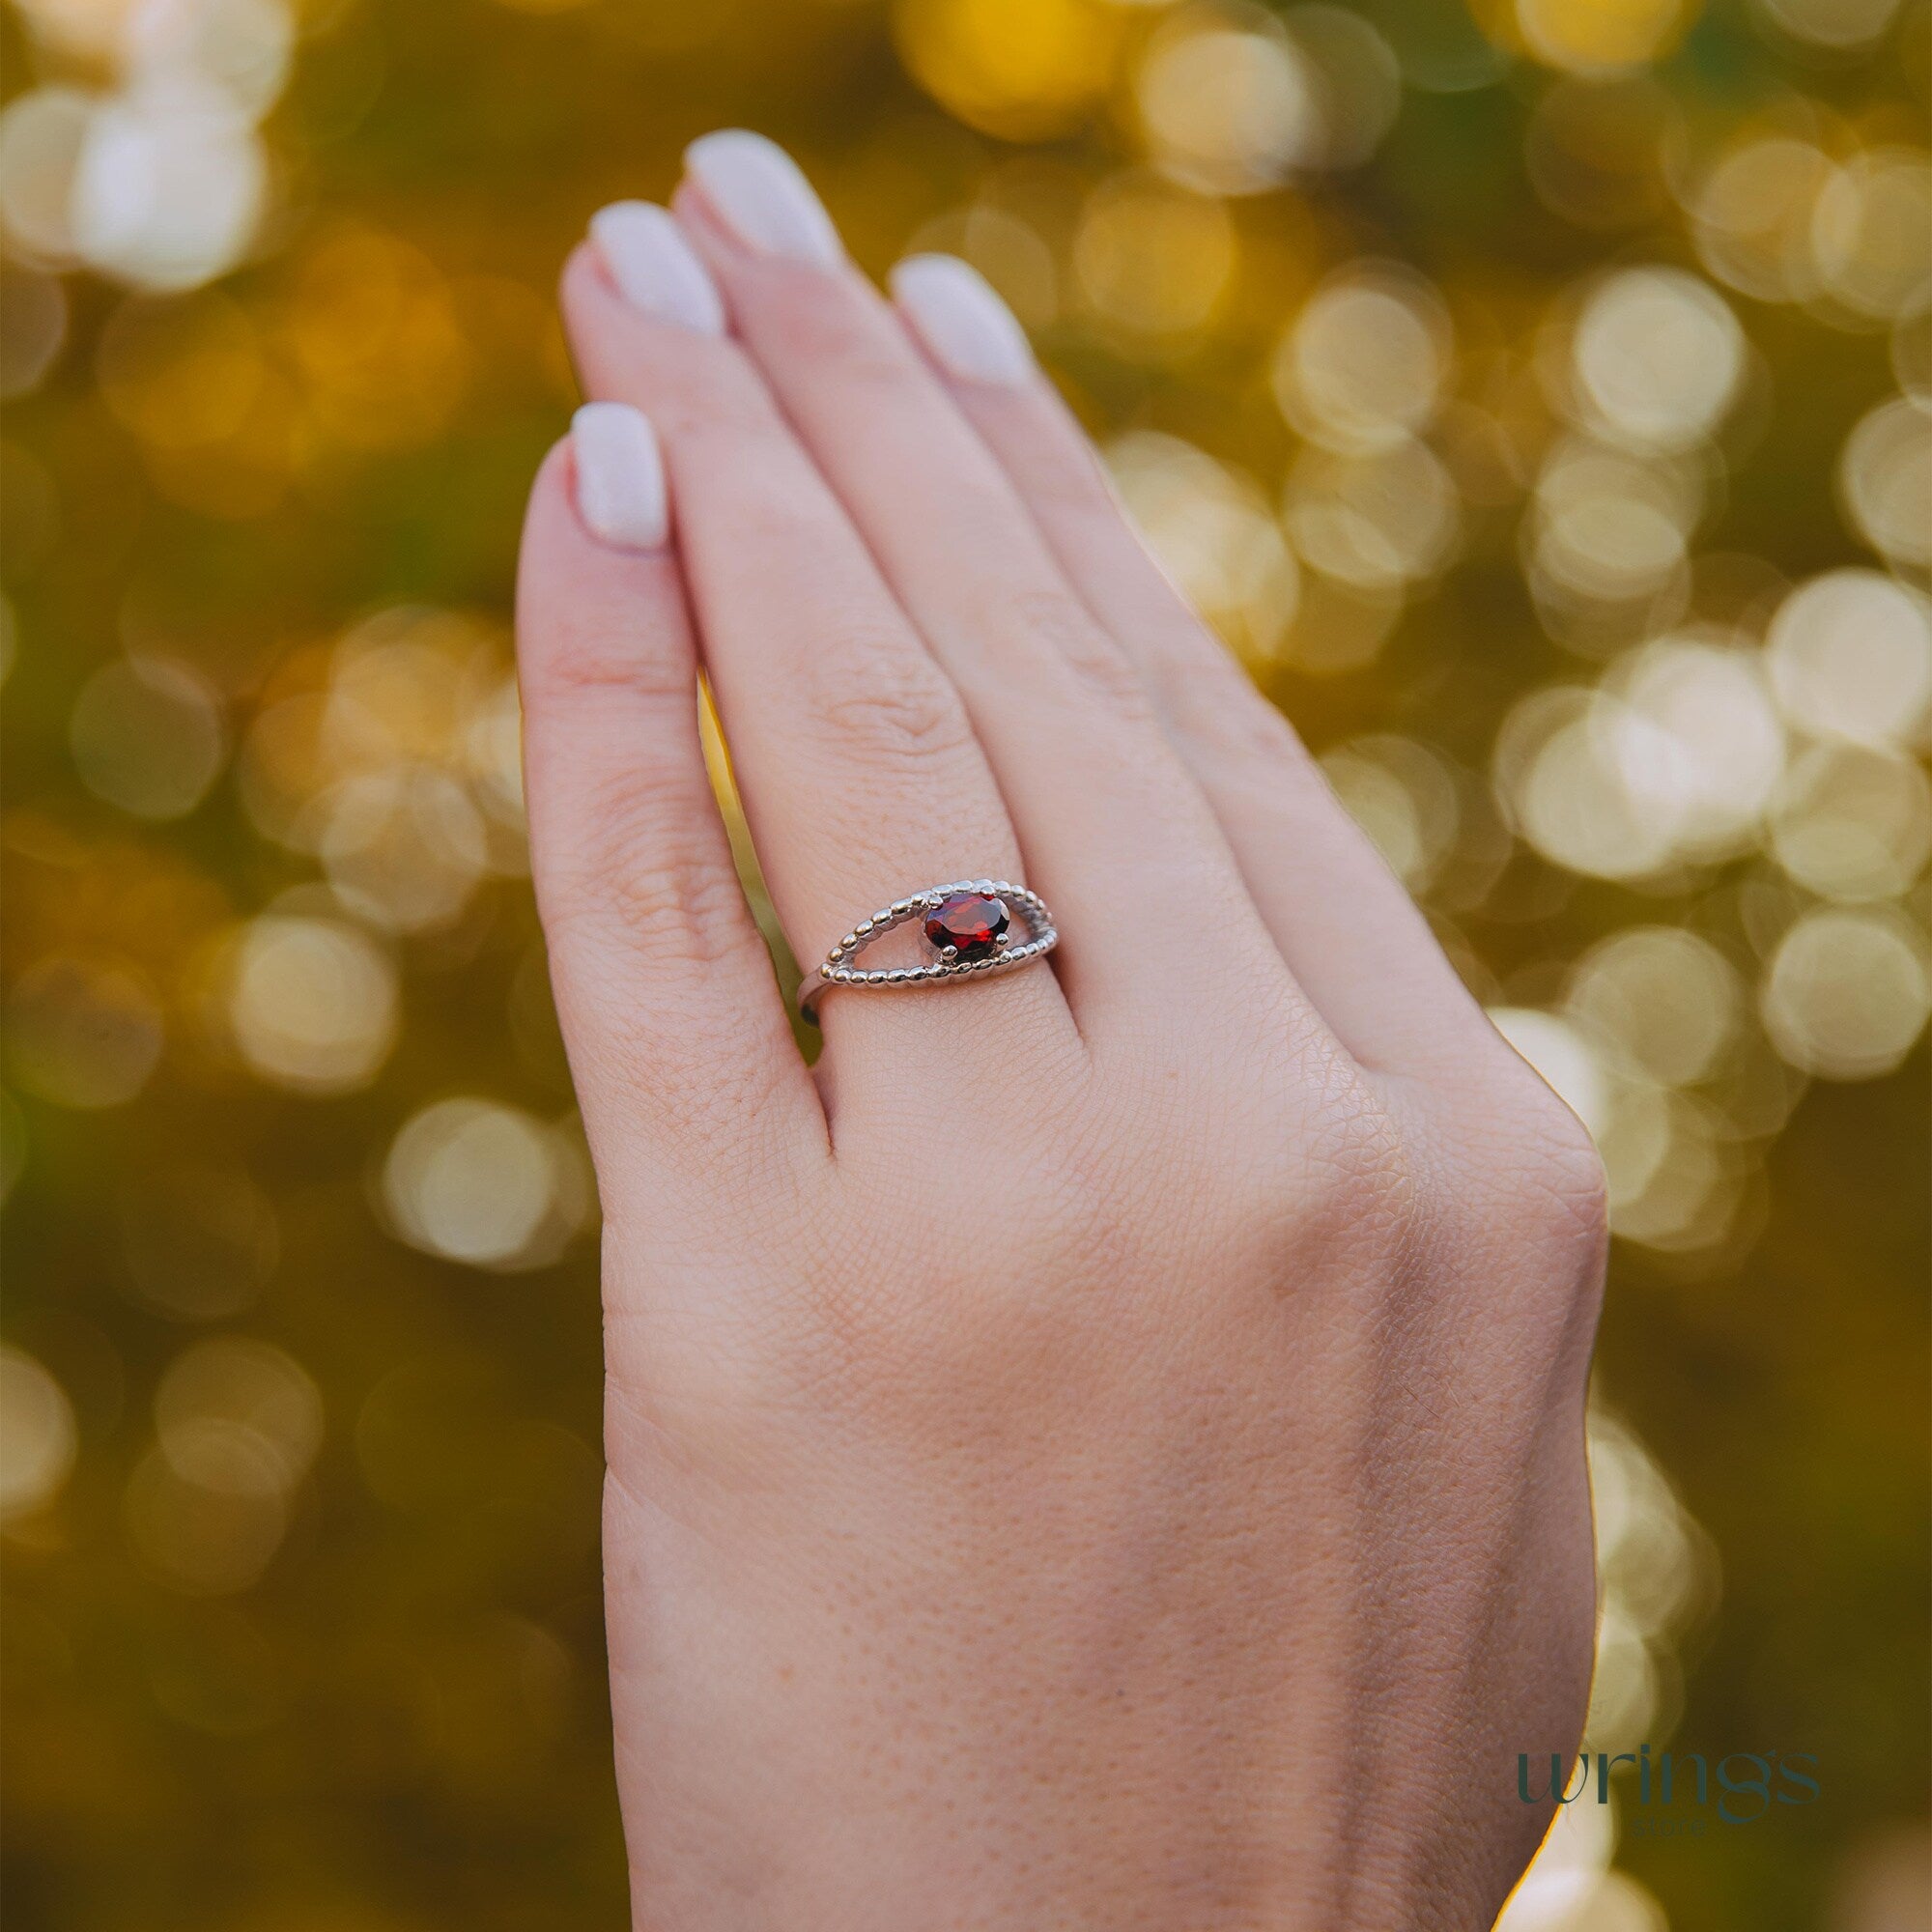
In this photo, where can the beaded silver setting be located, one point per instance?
(947, 962)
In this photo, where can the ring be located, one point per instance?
(968, 925)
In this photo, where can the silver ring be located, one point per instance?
(968, 931)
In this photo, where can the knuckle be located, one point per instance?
(602, 655)
(1214, 704)
(715, 396)
(1563, 1171)
(1060, 622)
(883, 704)
(824, 326)
(666, 885)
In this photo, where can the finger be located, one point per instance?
(1115, 828)
(1350, 932)
(664, 984)
(862, 780)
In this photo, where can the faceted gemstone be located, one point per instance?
(972, 923)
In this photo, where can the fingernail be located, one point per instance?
(620, 479)
(969, 331)
(760, 193)
(655, 268)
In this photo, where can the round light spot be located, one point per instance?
(1225, 111)
(476, 1182)
(83, 1032)
(1871, 232)
(1560, 769)
(170, 183)
(1596, 150)
(313, 1003)
(1151, 257)
(1852, 823)
(1715, 749)
(1377, 521)
(1850, 655)
(1357, 81)
(37, 1434)
(1599, 36)
(1020, 68)
(1365, 363)
(1671, 1000)
(42, 136)
(147, 736)
(1847, 992)
(1606, 525)
(1885, 481)
(235, 1412)
(214, 1529)
(404, 846)
(1658, 358)
(1751, 217)
(181, 371)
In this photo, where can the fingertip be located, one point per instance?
(620, 494)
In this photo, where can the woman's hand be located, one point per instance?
(1103, 1448)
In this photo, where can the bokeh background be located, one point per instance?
(1536, 396)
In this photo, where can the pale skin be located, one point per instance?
(1103, 1447)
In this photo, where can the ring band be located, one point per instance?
(968, 925)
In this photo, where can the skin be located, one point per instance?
(1103, 1447)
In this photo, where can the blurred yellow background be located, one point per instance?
(1536, 398)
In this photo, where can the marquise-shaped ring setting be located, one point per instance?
(969, 928)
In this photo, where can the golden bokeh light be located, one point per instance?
(1885, 481)
(1021, 68)
(1365, 363)
(147, 736)
(37, 1443)
(313, 1003)
(1152, 258)
(1871, 232)
(1847, 992)
(1658, 357)
(1851, 822)
(476, 1182)
(1668, 998)
(1600, 38)
(1226, 103)
(1850, 656)
(1377, 521)
(237, 1410)
(210, 1529)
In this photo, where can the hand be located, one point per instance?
(1103, 1448)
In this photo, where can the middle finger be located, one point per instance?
(1124, 844)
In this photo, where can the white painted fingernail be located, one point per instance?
(762, 196)
(969, 331)
(655, 268)
(620, 479)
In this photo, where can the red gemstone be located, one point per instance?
(972, 923)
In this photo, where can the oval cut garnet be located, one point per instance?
(973, 924)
